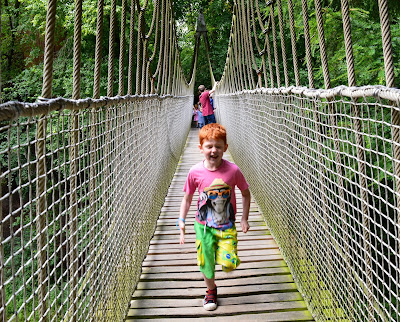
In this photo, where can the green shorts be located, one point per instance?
(214, 245)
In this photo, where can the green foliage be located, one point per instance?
(22, 49)
(367, 48)
(218, 17)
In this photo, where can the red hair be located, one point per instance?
(213, 131)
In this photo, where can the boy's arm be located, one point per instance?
(185, 205)
(246, 198)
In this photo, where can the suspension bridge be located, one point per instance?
(90, 187)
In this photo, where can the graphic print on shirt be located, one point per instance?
(215, 205)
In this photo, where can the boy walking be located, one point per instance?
(216, 236)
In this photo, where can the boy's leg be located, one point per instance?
(210, 282)
(206, 247)
(227, 250)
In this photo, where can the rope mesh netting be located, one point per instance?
(96, 234)
(323, 165)
(322, 173)
(87, 178)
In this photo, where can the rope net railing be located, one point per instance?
(323, 164)
(85, 179)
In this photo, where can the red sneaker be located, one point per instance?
(210, 300)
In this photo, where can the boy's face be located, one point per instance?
(213, 151)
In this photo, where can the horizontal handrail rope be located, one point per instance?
(13, 110)
(377, 91)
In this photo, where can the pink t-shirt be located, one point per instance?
(217, 200)
(206, 104)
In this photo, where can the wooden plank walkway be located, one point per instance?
(171, 287)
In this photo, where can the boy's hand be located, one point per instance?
(245, 225)
(182, 230)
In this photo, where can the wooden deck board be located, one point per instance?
(172, 288)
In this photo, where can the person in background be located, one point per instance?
(201, 117)
(212, 105)
(208, 111)
(196, 115)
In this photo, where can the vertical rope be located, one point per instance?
(131, 49)
(167, 52)
(239, 75)
(386, 42)
(144, 65)
(293, 42)
(161, 50)
(113, 18)
(97, 59)
(260, 52)
(73, 220)
(348, 43)
(41, 157)
(139, 46)
(268, 49)
(41, 214)
(49, 49)
(92, 209)
(74, 138)
(390, 82)
(122, 49)
(76, 92)
(322, 46)
(283, 46)
(307, 43)
(145, 42)
(275, 43)
(249, 48)
(171, 53)
(238, 49)
(93, 143)
(260, 69)
(396, 167)
(243, 47)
